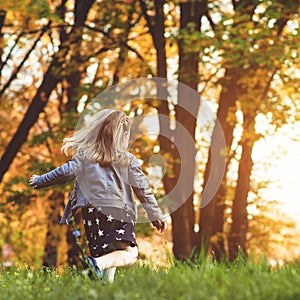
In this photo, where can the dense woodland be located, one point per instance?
(242, 57)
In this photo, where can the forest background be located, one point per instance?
(240, 56)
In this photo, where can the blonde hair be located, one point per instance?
(103, 139)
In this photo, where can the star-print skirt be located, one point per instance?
(108, 229)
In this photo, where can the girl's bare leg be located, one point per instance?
(117, 258)
(109, 274)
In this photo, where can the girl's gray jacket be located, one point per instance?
(111, 186)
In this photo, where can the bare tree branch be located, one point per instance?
(3, 63)
(17, 70)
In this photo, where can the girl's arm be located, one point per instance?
(60, 175)
(140, 185)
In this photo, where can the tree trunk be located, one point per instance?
(184, 167)
(186, 114)
(2, 20)
(77, 60)
(75, 250)
(183, 217)
(72, 82)
(239, 227)
(35, 108)
(211, 236)
(54, 231)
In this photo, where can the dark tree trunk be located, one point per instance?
(72, 84)
(186, 114)
(55, 234)
(170, 140)
(75, 65)
(123, 45)
(211, 236)
(159, 40)
(184, 167)
(2, 20)
(75, 250)
(183, 217)
(156, 25)
(35, 108)
(239, 227)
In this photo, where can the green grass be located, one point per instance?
(183, 281)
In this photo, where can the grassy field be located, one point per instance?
(204, 280)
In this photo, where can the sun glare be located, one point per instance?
(279, 156)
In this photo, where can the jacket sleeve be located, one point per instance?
(141, 188)
(60, 175)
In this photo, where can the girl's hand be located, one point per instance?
(31, 179)
(161, 226)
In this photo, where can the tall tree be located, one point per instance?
(212, 209)
(50, 80)
(170, 140)
(211, 236)
(70, 45)
(183, 218)
(251, 106)
(239, 61)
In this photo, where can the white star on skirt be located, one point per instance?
(109, 218)
(91, 210)
(104, 246)
(120, 231)
(89, 223)
(97, 221)
(100, 232)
